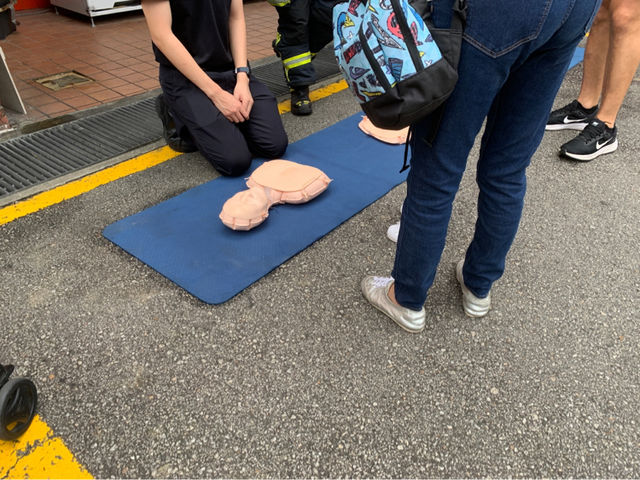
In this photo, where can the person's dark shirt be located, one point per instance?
(203, 28)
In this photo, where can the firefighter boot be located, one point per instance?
(300, 102)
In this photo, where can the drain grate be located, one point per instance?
(36, 158)
(63, 80)
(272, 75)
(41, 156)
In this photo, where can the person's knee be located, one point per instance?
(272, 146)
(233, 164)
(277, 147)
(602, 19)
(604, 10)
(235, 167)
(625, 18)
(507, 187)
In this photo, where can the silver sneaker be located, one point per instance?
(473, 306)
(376, 290)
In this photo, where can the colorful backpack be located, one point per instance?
(390, 61)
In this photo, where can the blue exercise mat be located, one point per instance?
(578, 56)
(184, 240)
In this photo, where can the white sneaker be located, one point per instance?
(473, 306)
(376, 290)
(393, 231)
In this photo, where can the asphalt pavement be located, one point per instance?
(298, 376)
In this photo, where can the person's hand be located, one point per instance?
(243, 94)
(229, 106)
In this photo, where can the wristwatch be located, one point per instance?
(246, 70)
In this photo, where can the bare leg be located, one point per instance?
(595, 58)
(623, 58)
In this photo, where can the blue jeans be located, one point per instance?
(514, 57)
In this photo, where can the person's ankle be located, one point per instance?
(608, 121)
(592, 106)
(392, 294)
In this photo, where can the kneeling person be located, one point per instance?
(210, 102)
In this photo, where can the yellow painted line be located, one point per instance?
(39, 454)
(137, 164)
(85, 184)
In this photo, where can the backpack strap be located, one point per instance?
(459, 19)
(405, 164)
(407, 35)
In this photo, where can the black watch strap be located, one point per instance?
(246, 70)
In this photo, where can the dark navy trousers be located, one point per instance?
(229, 146)
(514, 57)
(304, 28)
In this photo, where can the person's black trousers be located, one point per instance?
(228, 146)
(304, 28)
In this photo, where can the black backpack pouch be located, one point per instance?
(405, 104)
(448, 39)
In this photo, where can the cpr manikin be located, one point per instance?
(396, 137)
(273, 182)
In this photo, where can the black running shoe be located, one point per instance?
(300, 102)
(596, 139)
(169, 132)
(571, 117)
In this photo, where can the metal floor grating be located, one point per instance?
(57, 151)
(37, 158)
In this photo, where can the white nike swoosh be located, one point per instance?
(568, 120)
(600, 145)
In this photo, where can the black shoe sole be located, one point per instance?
(587, 157)
(181, 146)
(301, 112)
(579, 126)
